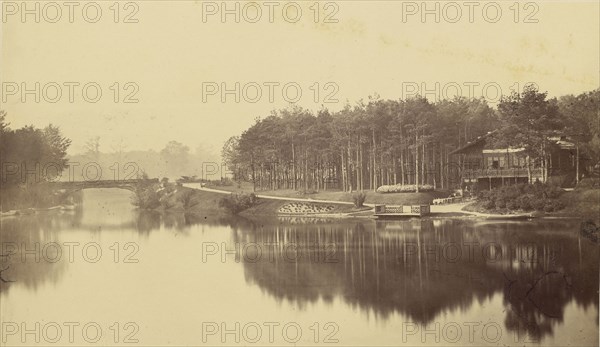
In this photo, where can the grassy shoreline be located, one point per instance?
(335, 195)
(204, 202)
(581, 204)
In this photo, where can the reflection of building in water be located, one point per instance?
(421, 268)
(303, 220)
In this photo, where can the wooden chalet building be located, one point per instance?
(485, 168)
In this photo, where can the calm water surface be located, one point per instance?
(106, 274)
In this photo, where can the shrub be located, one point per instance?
(236, 203)
(553, 205)
(511, 192)
(538, 204)
(544, 191)
(188, 179)
(185, 198)
(588, 183)
(222, 182)
(306, 192)
(524, 202)
(146, 198)
(540, 197)
(146, 194)
(529, 189)
(558, 205)
(487, 195)
(489, 204)
(512, 205)
(226, 181)
(166, 202)
(500, 203)
(552, 192)
(358, 198)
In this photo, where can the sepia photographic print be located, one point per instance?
(299, 173)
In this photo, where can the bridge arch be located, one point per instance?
(72, 187)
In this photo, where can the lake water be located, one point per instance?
(106, 274)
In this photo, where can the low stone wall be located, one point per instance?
(303, 208)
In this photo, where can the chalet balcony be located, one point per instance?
(490, 172)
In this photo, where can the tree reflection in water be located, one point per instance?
(422, 268)
(21, 235)
(410, 267)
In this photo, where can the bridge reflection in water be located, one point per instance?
(420, 269)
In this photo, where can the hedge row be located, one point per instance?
(236, 203)
(399, 188)
(525, 197)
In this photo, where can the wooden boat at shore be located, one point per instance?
(400, 211)
(507, 216)
(31, 210)
(9, 213)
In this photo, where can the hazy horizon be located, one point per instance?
(383, 51)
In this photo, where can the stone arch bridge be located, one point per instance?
(121, 184)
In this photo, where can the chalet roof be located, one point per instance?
(561, 141)
(504, 150)
(472, 143)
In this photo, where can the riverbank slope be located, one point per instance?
(206, 201)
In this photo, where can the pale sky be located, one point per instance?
(171, 52)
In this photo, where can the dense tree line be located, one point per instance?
(408, 141)
(30, 156)
(530, 120)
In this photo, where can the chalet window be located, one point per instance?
(493, 162)
(518, 162)
(501, 162)
(472, 164)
